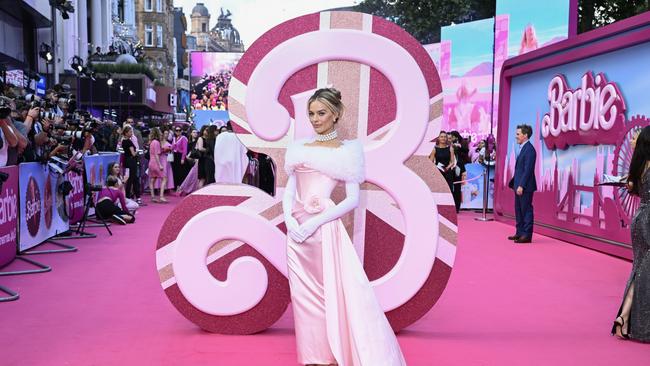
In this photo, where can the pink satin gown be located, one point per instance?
(338, 319)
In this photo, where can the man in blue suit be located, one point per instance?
(524, 185)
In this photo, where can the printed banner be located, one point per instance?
(468, 89)
(210, 75)
(40, 205)
(96, 167)
(8, 213)
(75, 199)
(575, 150)
(472, 190)
(524, 26)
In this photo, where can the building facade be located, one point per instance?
(223, 37)
(155, 28)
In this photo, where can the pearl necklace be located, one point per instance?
(327, 137)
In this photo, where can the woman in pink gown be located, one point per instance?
(157, 166)
(338, 320)
(165, 150)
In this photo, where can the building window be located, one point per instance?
(159, 6)
(148, 35)
(148, 5)
(204, 27)
(159, 36)
(120, 10)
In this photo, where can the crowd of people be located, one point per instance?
(452, 152)
(36, 129)
(160, 158)
(211, 92)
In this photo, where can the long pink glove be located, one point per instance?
(287, 206)
(300, 233)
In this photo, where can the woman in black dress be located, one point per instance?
(131, 163)
(444, 159)
(200, 148)
(212, 133)
(633, 318)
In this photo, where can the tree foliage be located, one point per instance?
(596, 13)
(423, 18)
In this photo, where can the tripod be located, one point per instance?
(89, 202)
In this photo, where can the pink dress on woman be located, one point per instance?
(338, 319)
(165, 149)
(154, 168)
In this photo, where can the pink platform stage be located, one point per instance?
(540, 304)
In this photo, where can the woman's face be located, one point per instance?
(321, 118)
(128, 134)
(195, 134)
(165, 134)
(205, 133)
(115, 170)
(634, 138)
(442, 138)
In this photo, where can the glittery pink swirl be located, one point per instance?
(313, 205)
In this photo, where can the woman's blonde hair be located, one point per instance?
(155, 134)
(332, 100)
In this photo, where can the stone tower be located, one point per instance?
(200, 25)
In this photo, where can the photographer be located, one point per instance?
(81, 127)
(39, 123)
(12, 141)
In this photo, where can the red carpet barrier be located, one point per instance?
(75, 198)
(8, 214)
(42, 210)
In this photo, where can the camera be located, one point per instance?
(73, 134)
(47, 115)
(64, 140)
(93, 187)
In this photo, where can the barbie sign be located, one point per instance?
(583, 116)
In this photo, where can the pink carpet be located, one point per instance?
(540, 304)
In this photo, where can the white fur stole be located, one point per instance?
(344, 163)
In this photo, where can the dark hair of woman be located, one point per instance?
(640, 158)
(212, 132)
(111, 181)
(109, 171)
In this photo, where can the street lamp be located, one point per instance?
(90, 73)
(77, 64)
(45, 52)
(130, 93)
(109, 82)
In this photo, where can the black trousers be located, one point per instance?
(106, 208)
(133, 183)
(524, 214)
(179, 170)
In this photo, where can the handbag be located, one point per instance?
(170, 157)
